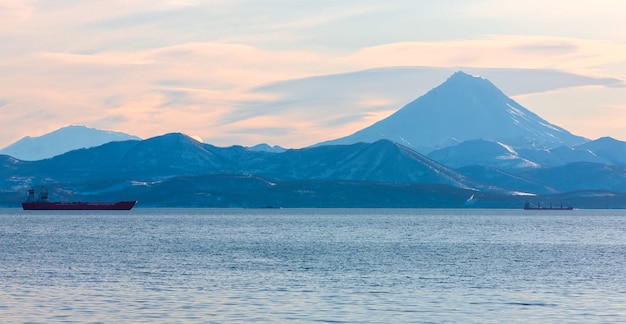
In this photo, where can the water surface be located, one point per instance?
(313, 265)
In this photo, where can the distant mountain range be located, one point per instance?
(76, 137)
(482, 150)
(174, 170)
(604, 150)
(60, 141)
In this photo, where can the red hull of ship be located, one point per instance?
(120, 205)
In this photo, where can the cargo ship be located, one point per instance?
(42, 203)
(528, 206)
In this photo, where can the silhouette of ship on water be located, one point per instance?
(529, 206)
(41, 202)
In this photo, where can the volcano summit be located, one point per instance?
(463, 108)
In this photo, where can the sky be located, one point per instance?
(295, 73)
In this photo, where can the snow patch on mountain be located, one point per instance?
(508, 148)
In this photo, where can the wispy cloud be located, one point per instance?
(329, 14)
(213, 88)
(16, 11)
(283, 72)
(498, 51)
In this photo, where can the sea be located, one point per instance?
(313, 266)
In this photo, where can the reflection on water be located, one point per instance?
(313, 265)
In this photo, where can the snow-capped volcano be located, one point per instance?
(62, 140)
(464, 107)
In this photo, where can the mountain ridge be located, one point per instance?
(380, 174)
(537, 159)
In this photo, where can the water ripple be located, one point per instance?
(327, 266)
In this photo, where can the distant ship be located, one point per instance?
(42, 203)
(528, 206)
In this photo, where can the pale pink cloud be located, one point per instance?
(194, 87)
(572, 54)
(15, 12)
(591, 111)
(213, 77)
